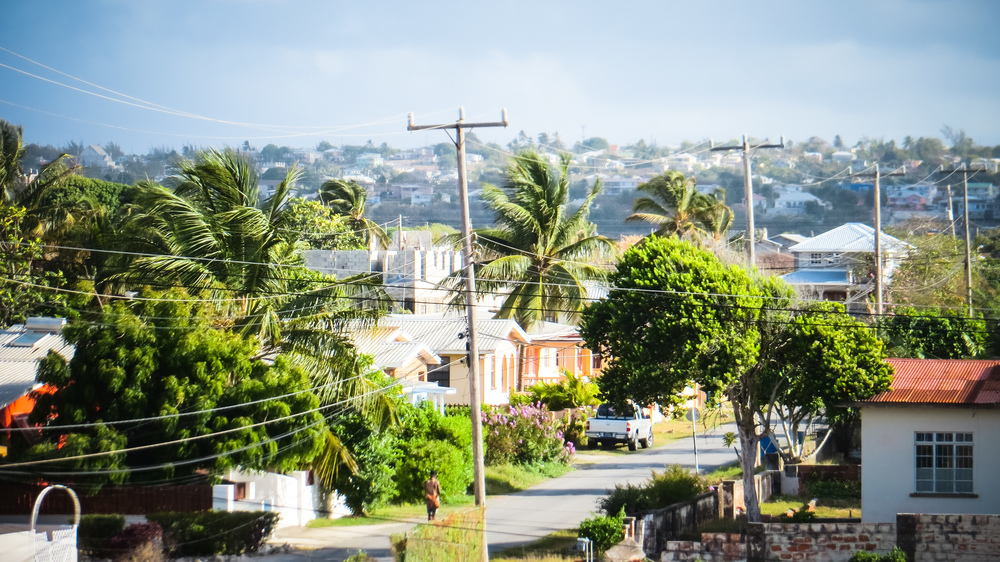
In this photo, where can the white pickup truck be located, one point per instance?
(609, 427)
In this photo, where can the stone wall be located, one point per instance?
(667, 523)
(714, 547)
(951, 538)
(767, 484)
(819, 542)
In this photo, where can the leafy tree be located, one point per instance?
(826, 359)
(22, 282)
(537, 249)
(349, 199)
(679, 314)
(160, 358)
(375, 451)
(321, 228)
(323, 146)
(114, 150)
(933, 334)
(17, 189)
(447, 155)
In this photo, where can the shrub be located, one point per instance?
(523, 435)
(675, 484)
(574, 427)
(138, 536)
(215, 532)
(895, 555)
(604, 531)
(430, 441)
(96, 532)
(376, 453)
(570, 392)
(835, 489)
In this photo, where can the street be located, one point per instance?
(521, 518)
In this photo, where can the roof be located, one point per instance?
(797, 238)
(441, 333)
(849, 237)
(550, 331)
(954, 382)
(19, 363)
(818, 277)
(397, 354)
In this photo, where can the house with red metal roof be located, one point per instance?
(931, 443)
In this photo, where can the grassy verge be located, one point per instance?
(508, 478)
(779, 505)
(504, 479)
(391, 514)
(550, 548)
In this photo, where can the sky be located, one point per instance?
(220, 72)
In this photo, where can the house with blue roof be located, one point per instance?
(838, 265)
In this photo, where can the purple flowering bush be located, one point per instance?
(523, 434)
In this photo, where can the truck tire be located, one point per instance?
(592, 443)
(648, 441)
(633, 442)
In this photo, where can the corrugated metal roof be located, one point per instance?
(849, 237)
(441, 334)
(19, 363)
(393, 354)
(818, 277)
(943, 381)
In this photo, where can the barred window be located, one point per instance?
(943, 462)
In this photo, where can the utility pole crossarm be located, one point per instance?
(460, 124)
(746, 147)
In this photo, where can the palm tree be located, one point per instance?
(30, 191)
(349, 199)
(716, 217)
(536, 249)
(673, 206)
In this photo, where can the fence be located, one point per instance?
(137, 500)
(766, 483)
(664, 524)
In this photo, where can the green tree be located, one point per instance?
(349, 199)
(537, 249)
(158, 359)
(23, 284)
(933, 334)
(321, 228)
(16, 188)
(677, 313)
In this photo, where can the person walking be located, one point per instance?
(432, 495)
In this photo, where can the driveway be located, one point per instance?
(517, 519)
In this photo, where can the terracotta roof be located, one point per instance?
(958, 382)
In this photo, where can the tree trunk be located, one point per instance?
(520, 367)
(748, 462)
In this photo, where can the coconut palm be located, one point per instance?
(716, 217)
(30, 191)
(673, 206)
(537, 250)
(349, 199)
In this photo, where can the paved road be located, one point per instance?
(516, 519)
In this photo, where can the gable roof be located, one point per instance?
(953, 382)
(19, 358)
(849, 237)
(440, 333)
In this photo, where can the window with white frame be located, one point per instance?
(943, 463)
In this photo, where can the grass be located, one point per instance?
(503, 479)
(553, 547)
(778, 505)
(414, 512)
(731, 471)
(508, 478)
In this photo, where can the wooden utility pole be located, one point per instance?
(878, 229)
(951, 212)
(968, 238)
(475, 399)
(748, 186)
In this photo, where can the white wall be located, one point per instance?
(289, 495)
(888, 473)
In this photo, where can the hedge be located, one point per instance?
(215, 532)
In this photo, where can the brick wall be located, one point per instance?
(714, 547)
(949, 538)
(825, 542)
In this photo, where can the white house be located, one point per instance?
(793, 201)
(931, 444)
(833, 265)
(95, 156)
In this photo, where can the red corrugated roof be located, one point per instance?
(943, 381)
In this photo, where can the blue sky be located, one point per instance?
(348, 72)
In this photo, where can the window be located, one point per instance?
(944, 463)
(440, 374)
(815, 259)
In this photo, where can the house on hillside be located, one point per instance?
(791, 200)
(403, 358)
(22, 347)
(931, 444)
(837, 265)
(95, 157)
(445, 336)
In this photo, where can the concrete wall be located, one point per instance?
(289, 495)
(888, 473)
